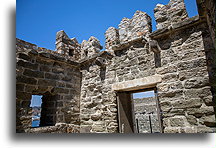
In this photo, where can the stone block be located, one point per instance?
(137, 83)
(46, 82)
(199, 112)
(177, 122)
(26, 80)
(23, 95)
(85, 129)
(167, 69)
(45, 68)
(191, 119)
(202, 93)
(30, 88)
(24, 56)
(31, 73)
(171, 130)
(191, 103)
(187, 65)
(20, 87)
(52, 76)
(58, 70)
(44, 62)
(208, 121)
(60, 90)
(27, 65)
(196, 82)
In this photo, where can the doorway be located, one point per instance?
(139, 111)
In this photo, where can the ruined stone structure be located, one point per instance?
(86, 90)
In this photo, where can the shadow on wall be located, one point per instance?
(211, 64)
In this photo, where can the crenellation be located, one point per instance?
(130, 31)
(86, 90)
(90, 47)
(173, 12)
(67, 46)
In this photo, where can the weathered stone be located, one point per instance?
(87, 91)
(27, 65)
(46, 82)
(177, 122)
(208, 121)
(52, 76)
(174, 12)
(199, 112)
(196, 82)
(192, 120)
(138, 83)
(20, 87)
(171, 130)
(31, 73)
(24, 57)
(27, 80)
(187, 103)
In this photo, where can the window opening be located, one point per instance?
(36, 102)
(70, 52)
(146, 112)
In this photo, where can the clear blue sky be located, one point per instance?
(145, 94)
(37, 21)
(36, 100)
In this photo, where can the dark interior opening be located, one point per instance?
(71, 52)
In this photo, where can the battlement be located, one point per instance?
(173, 12)
(129, 30)
(85, 90)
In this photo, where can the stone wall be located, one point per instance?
(57, 78)
(185, 92)
(206, 9)
(136, 28)
(98, 112)
(145, 109)
(67, 46)
(77, 80)
(173, 12)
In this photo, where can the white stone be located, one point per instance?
(146, 82)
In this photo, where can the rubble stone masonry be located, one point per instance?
(77, 80)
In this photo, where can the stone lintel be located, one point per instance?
(142, 83)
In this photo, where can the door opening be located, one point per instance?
(139, 112)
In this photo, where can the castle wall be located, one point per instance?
(146, 115)
(98, 112)
(78, 86)
(185, 93)
(43, 72)
(173, 12)
(206, 9)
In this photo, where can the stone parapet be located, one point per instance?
(129, 30)
(174, 12)
(67, 46)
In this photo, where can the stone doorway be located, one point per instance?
(139, 111)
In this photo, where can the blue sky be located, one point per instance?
(145, 94)
(36, 100)
(37, 21)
